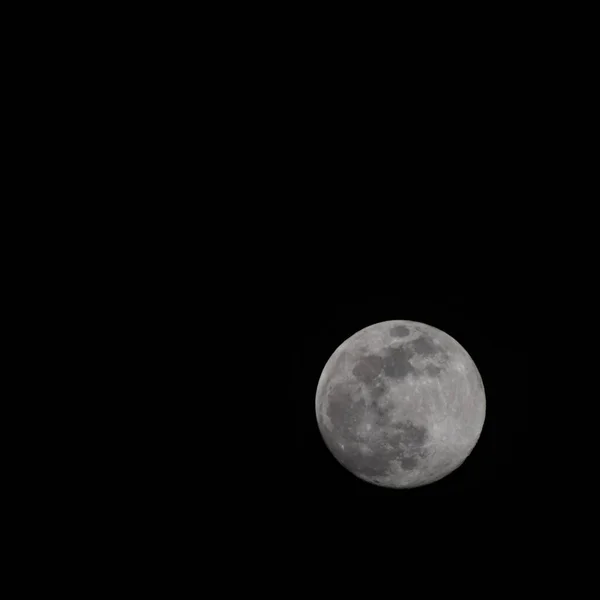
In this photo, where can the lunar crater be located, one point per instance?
(396, 364)
(424, 346)
(399, 331)
(368, 368)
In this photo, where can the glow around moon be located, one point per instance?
(400, 404)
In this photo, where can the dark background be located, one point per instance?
(493, 330)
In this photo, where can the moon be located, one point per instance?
(400, 404)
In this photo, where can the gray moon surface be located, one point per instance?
(400, 404)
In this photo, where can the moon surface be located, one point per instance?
(400, 404)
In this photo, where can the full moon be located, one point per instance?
(400, 404)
